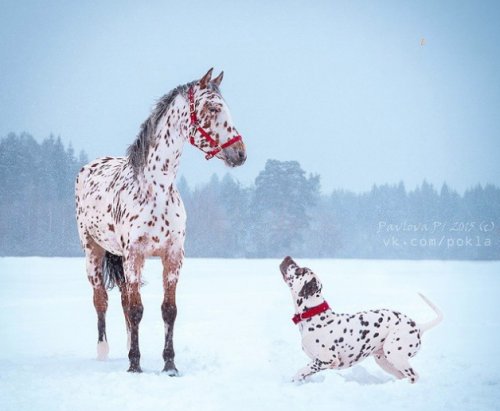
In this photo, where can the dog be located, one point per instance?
(339, 341)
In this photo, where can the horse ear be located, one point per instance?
(206, 78)
(217, 80)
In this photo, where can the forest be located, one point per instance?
(283, 212)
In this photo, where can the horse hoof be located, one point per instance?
(136, 369)
(102, 351)
(171, 372)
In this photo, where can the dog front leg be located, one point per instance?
(312, 368)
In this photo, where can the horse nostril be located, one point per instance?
(241, 154)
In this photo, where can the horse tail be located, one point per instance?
(112, 271)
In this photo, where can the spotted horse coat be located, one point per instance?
(128, 208)
(339, 341)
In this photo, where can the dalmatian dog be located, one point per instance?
(339, 341)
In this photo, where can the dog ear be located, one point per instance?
(310, 288)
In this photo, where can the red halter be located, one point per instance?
(196, 125)
(297, 318)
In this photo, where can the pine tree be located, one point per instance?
(279, 208)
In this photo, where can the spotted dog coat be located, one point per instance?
(128, 208)
(341, 340)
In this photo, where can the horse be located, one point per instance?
(128, 208)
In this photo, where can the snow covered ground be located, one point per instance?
(236, 347)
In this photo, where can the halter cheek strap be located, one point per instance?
(195, 124)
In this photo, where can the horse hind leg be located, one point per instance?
(125, 304)
(113, 274)
(94, 261)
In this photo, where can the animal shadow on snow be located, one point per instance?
(362, 376)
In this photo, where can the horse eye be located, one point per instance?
(213, 108)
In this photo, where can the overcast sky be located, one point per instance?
(347, 88)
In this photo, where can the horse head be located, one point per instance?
(212, 129)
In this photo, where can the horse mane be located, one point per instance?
(138, 151)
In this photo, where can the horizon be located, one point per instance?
(201, 183)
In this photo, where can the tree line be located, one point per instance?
(37, 208)
(282, 213)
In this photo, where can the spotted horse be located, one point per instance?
(339, 341)
(128, 208)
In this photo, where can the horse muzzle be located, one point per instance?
(235, 155)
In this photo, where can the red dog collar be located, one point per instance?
(311, 312)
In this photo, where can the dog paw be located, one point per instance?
(298, 379)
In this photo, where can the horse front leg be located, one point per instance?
(134, 308)
(171, 268)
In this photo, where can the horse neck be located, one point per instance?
(166, 148)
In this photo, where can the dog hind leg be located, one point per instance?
(382, 361)
(400, 363)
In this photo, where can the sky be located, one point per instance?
(361, 93)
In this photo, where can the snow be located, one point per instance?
(236, 347)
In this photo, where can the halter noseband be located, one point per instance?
(195, 124)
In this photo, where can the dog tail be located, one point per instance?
(424, 327)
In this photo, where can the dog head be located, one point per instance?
(302, 281)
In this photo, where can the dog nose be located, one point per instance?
(287, 261)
